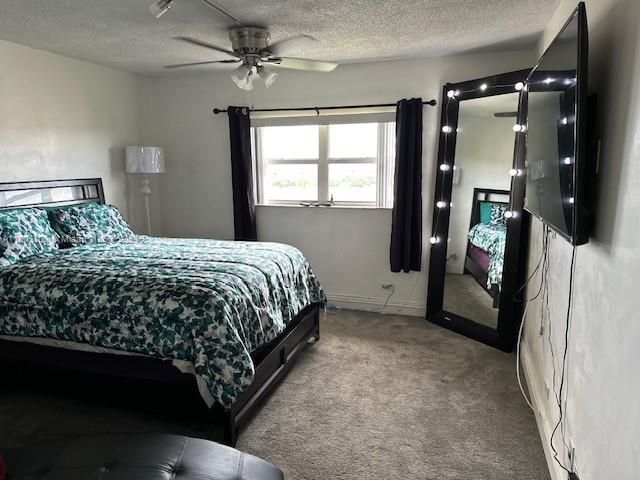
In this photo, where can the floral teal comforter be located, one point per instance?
(491, 237)
(205, 301)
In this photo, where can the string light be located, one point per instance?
(444, 167)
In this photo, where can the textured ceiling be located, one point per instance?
(123, 34)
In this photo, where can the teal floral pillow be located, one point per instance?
(90, 223)
(497, 213)
(24, 233)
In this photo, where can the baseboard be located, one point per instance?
(370, 304)
(542, 421)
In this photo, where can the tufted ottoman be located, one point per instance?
(136, 457)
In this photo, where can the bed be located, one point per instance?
(486, 240)
(226, 317)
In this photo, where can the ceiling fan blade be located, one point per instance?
(295, 44)
(302, 64)
(200, 43)
(195, 64)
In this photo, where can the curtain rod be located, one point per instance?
(216, 111)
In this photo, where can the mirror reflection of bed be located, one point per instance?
(480, 198)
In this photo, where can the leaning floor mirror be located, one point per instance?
(478, 227)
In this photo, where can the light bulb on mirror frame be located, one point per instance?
(433, 240)
(571, 200)
(519, 86)
(444, 167)
(446, 129)
(509, 214)
(514, 172)
(441, 204)
(483, 87)
(567, 160)
(518, 128)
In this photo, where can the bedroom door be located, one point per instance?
(474, 266)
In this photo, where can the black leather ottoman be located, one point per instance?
(136, 457)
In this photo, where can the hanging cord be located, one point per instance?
(564, 365)
(543, 259)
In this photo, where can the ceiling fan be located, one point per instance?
(252, 49)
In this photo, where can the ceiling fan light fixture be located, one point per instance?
(243, 77)
(267, 76)
(160, 7)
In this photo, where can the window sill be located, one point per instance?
(334, 207)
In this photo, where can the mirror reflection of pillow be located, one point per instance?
(89, 224)
(497, 214)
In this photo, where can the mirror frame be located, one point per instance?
(505, 334)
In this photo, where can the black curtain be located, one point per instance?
(244, 205)
(406, 226)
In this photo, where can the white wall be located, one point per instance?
(348, 248)
(603, 418)
(64, 118)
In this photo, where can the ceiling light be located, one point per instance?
(160, 7)
(267, 76)
(243, 77)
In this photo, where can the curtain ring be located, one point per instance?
(317, 111)
(244, 110)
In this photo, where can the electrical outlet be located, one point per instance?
(387, 286)
(572, 457)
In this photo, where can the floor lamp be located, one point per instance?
(145, 160)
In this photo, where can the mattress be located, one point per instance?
(206, 304)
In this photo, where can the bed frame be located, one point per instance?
(271, 361)
(472, 267)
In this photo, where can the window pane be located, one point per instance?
(290, 143)
(356, 140)
(352, 182)
(291, 182)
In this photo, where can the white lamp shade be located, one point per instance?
(145, 160)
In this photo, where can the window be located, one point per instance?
(350, 163)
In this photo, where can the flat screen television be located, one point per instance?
(557, 158)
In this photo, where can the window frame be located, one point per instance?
(384, 161)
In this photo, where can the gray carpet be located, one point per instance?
(465, 297)
(385, 397)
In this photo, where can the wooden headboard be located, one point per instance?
(486, 195)
(51, 192)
